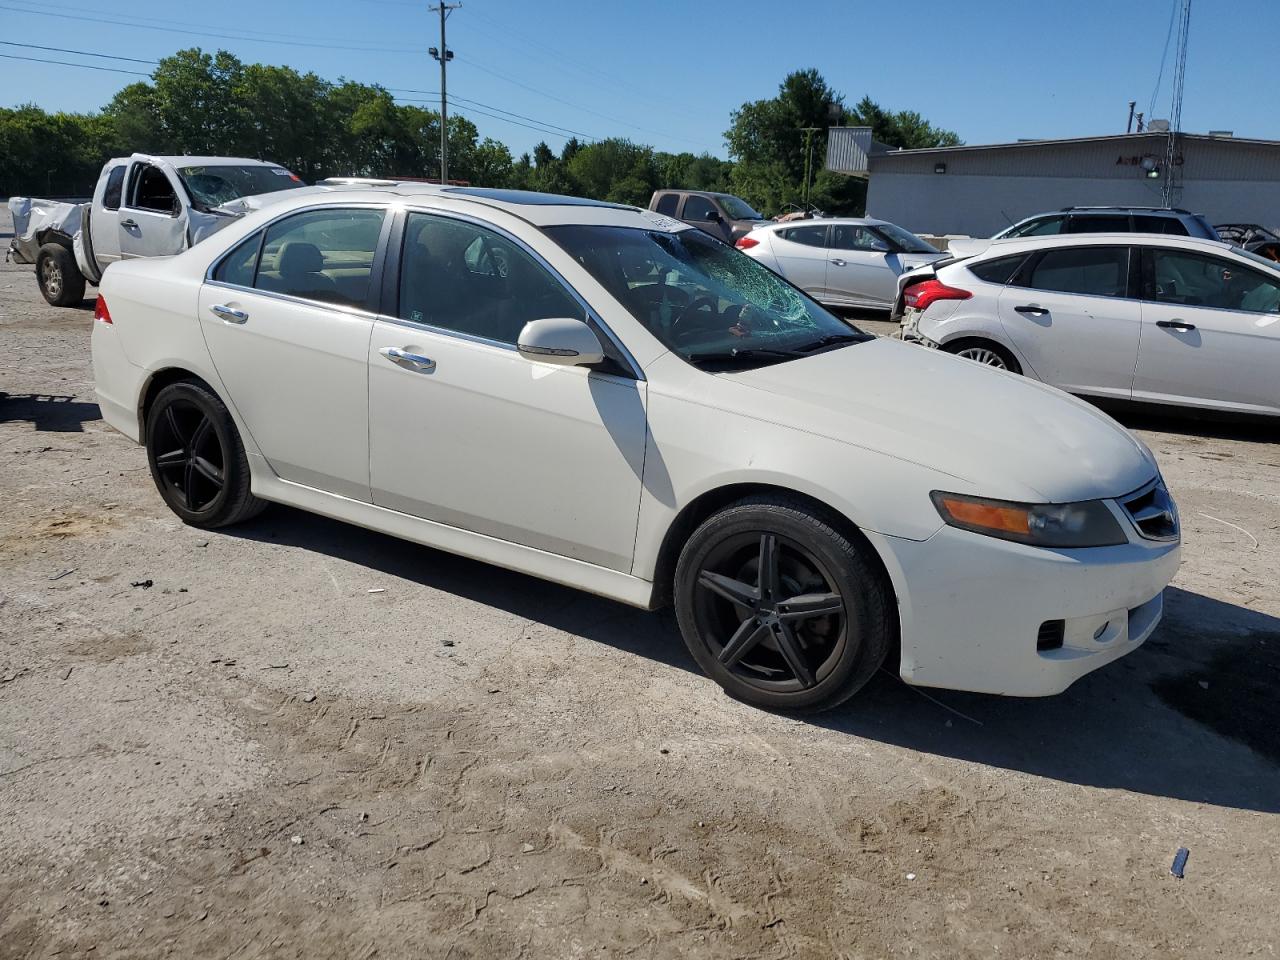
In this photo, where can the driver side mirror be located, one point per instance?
(714, 217)
(560, 340)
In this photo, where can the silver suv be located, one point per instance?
(1167, 220)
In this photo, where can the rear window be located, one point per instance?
(115, 187)
(1098, 223)
(1000, 270)
(1091, 271)
(809, 236)
(667, 204)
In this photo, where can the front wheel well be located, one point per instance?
(698, 510)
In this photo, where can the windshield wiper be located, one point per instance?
(745, 355)
(831, 340)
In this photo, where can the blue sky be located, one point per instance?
(669, 73)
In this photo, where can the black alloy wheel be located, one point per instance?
(781, 607)
(196, 457)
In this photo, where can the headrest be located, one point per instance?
(300, 257)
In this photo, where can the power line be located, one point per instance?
(209, 35)
(1173, 16)
(63, 63)
(481, 103)
(83, 53)
(484, 113)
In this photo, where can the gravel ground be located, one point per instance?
(224, 745)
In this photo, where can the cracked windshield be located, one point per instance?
(709, 303)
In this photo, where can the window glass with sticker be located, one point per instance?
(470, 280)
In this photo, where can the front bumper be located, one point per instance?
(971, 608)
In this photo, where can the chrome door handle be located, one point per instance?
(418, 362)
(1033, 310)
(838, 263)
(230, 314)
(1180, 325)
(129, 223)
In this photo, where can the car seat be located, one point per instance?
(300, 268)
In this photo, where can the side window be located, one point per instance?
(238, 266)
(1098, 223)
(150, 190)
(114, 188)
(324, 255)
(1144, 223)
(848, 237)
(667, 203)
(1000, 270)
(809, 236)
(467, 279)
(1197, 280)
(1093, 271)
(698, 208)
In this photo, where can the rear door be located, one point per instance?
(152, 223)
(858, 267)
(1210, 333)
(287, 318)
(802, 257)
(1070, 313)
(104, 219)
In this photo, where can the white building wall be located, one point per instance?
(982, 205)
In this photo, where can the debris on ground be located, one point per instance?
(296, 840)
(1180, 862)
(144, 584)
(378, 590)
(64, 573)
(309, 698)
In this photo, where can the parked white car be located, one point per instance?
(1155, 319)
(841, 262)
(610, 399)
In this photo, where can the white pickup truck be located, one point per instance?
(143, 206)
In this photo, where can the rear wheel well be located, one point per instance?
(158, 382)
(955, 346)
(55, 236)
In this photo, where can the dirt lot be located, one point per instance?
(224, 746)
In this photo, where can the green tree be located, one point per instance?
(905, 129)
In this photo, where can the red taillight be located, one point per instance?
(746, 243)
(920, 295)
(100, 311)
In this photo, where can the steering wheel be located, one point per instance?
(698, 303)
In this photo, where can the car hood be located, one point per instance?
(1004, 436)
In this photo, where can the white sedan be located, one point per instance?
(844, 262)
(1153, 319)
(607, 398)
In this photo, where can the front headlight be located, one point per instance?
(1085, 524)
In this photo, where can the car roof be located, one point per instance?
(185, 161)
(1170, 211)
(539, 209)
(823, 221)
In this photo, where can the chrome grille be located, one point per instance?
(1153, 512)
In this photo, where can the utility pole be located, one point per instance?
(808, 159)
(1129, 128)
(444, 55)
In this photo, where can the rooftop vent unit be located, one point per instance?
(1225, 134)
(1158, 126)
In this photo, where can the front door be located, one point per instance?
(802, 257)
(465, 431)
(287, 322)
(1210, 333)
(706, 216)
(858, 267)
(151, 219)
(1069, 312)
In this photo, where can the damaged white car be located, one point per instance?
(143, 206)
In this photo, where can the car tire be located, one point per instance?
(986, 352)
(58, 274)
(751, 635)
(197, 460)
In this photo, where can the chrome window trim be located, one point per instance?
(301, 301)
(636, 372)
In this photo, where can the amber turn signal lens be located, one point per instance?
(1006, 519)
